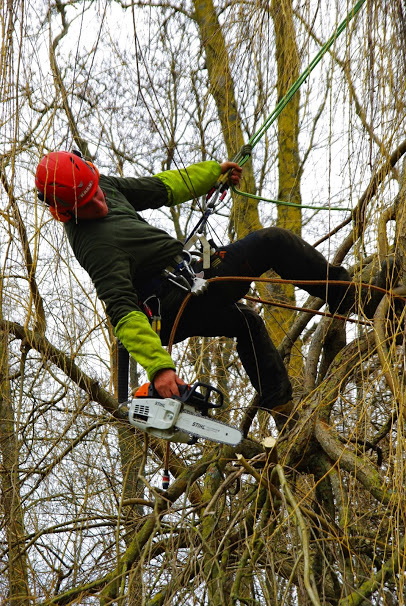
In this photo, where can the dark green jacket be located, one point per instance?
(123, 250)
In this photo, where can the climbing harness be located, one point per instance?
(183, 275)
(152, 309)
(179, 273)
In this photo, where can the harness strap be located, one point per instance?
(152, 309)
(206, 247)
(181, 274)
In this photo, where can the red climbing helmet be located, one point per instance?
(65, 180)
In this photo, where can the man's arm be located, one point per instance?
(114, 286)
(191, 182)
(144, 345)
(171, 187)
(196, 180)
(132, 330)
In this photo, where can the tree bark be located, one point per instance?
(10, 484)
(244, 218)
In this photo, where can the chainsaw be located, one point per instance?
(183, 418)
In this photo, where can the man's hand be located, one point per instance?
(235, 171)
(166, 383)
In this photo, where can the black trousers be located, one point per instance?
(217, 312)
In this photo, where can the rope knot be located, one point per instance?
(246, 150)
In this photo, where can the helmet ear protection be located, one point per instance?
(60, 215)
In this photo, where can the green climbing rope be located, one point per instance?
(284, 203)
(244, 154)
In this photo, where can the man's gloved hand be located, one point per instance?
(235, 171)
(166, 383)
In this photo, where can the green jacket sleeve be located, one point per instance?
(143, 344)
(191, 182)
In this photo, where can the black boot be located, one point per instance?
(340, 297)
(346, 300)
(285, 417)
(386, 278)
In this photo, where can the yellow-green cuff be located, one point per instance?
(142, 343)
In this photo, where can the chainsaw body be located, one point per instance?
(181, 419)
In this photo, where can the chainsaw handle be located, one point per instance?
(204, 400)
(148, 390)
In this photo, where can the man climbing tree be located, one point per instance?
(139, 270)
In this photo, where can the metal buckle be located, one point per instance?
(184, 276)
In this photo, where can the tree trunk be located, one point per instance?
(289, 169)
(245, 218)
(10, 485)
